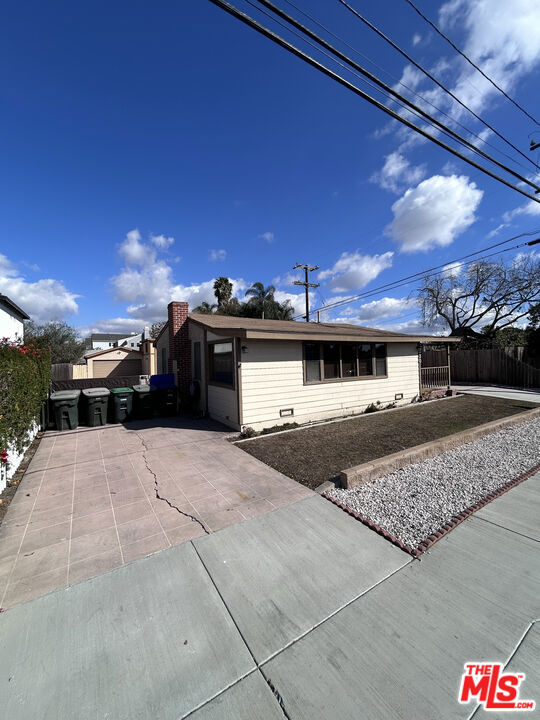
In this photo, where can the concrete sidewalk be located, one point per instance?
(299, 613)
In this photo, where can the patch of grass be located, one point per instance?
(320, 453)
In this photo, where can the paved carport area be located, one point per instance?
(299, 613)
(87, 502)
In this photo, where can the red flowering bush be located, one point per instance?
(25, 376)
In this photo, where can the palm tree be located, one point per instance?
(223, 290)
(205, 308)
(258, 292)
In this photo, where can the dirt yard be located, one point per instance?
(319, 453)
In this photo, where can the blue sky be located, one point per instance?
(149, 147)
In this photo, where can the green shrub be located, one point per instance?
(25, 376)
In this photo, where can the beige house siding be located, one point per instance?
(273, 379)
(223, 405)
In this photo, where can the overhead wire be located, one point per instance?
(471, 62)
(404, 85)
(429, 272)
(379, 85)
(417, 65)
(246, 19)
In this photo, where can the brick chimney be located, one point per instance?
(180, 346)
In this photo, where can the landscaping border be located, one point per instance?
(456, 520)
(360, 474)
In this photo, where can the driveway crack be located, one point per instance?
(156, 488)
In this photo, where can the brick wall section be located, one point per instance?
(180, 346)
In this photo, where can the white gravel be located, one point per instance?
(417, 500)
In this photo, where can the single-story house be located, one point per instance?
(249, 372)
(11, 319)
(113, 362)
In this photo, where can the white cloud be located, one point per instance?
(287, 279)
(43, 300)
(452, 270)
(353, 271)
(434, 213)
(502, 37)
(161, 242)
(268, 236)
(397, 173)
(217, 255)
(297, 300)
(531, 208)
(416, 39)
(146, 283)
(496, 230)
(375, 310)
(134, 251)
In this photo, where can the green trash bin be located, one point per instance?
(143, 401)
(167, 400)
(65, 409)
(96, 403)
(121, 404)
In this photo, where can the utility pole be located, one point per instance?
(307, 269)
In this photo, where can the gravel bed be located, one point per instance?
(417, 500)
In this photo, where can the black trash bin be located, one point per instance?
(143, 401)
(121, 404)
(96, 403)
(65, 409)
(167, 400)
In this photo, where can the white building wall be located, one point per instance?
(273, 379)
(11, 326)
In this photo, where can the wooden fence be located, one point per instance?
(61, 371)
(488, 365)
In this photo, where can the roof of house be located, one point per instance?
(255, 328)
(14, 308)
(109, 350)
(107, 337)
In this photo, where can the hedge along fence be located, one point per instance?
(25, 377)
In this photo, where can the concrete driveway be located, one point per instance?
(87, 502)
(500, 391)
(301, 613)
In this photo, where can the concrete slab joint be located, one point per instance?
(365, 472)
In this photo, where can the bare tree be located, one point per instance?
(487, 295)
(157, 327)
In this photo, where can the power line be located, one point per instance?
(433, 270)
(431, 77)
(404, 85)
(407, 104)
(440, 32)
(246, 19)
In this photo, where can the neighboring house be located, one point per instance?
(11, 319)
(113, 362)
(131, 341)
(259, 373)
(102, 341)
